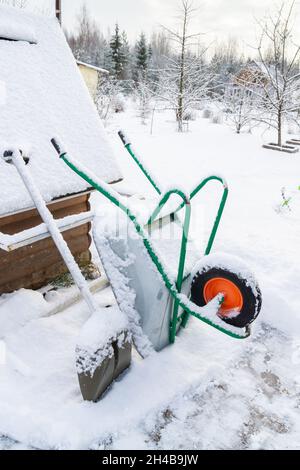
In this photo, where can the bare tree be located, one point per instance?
(87, 43)
(279, 58)
(240, 107)
(186, 78)
(196, 87)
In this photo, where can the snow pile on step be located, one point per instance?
(95, 341)
(17, 309)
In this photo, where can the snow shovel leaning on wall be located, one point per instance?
(104, 350)
(217, 289)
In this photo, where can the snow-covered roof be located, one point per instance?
(16, 30)
(97, 69)
(42, 95)
(267, 70)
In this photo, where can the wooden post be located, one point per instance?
(58, 10)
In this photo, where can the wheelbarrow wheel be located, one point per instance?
(242, 299)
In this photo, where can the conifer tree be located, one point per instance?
(117, 53)
(107, 58)
(142, 57)
(126, 56)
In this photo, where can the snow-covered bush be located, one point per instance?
(217, 118)
(293, 128)
(199, 105)
(109, 98)
(190, 115)
(207, 113)
(119, 105)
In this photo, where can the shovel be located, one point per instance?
(99, 364)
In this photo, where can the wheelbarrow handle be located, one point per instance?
(58, 146)
(124, 138)
(128, 146)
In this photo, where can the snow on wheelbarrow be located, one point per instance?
(220, 290)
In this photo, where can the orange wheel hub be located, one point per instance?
(233, 297)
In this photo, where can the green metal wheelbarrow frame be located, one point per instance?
(174, 288)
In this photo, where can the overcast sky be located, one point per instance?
(218, 18)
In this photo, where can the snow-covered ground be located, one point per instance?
(207, 391)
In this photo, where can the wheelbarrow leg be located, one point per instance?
(185, 319)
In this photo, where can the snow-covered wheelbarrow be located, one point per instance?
(216, 289)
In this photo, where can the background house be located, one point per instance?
(91, 76)
(253, 76)
(40, 82)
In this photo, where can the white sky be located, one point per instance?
(218, 18)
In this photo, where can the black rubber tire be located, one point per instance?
(251, 296)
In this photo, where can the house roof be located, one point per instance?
(42, 95)
(253, 73)
(97, 69)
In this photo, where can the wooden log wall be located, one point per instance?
(36, 265)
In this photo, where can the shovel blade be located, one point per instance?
(93, 384)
